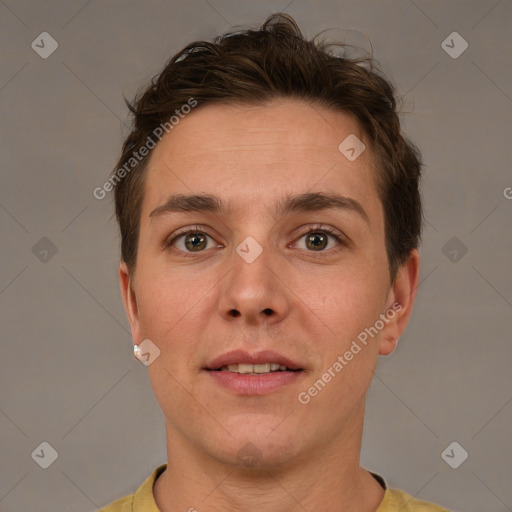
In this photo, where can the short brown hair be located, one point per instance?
(255, 66)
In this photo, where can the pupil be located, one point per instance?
(198, 238)
(314, 239)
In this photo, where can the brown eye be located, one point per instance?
(189, 241)
(195, 241)
(316, 240)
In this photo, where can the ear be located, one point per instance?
(400, 302)
(130, 302)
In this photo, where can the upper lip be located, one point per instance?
(243, 357)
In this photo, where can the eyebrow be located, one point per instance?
(306, 202)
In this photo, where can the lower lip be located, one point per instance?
(246, 384)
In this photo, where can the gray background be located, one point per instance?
(68, 376)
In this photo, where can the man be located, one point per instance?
(270, 218)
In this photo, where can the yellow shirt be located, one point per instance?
(143, 501)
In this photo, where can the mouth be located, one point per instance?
(264, 361)
(253, 374)
(255, 369)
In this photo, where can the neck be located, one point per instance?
(326, 478)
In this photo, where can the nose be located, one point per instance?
(255, 292)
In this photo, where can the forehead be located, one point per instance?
(252, 155)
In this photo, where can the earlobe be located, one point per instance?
(387, 345)
(401, 298)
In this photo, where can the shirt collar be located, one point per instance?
(144, 500)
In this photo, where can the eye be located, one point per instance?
(317, 238)
(190, 240)
(194, 240)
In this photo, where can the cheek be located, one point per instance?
(173, 312)
(348, 306)
(335, 393)
(351, 300)
(348, 353)
(166, 293)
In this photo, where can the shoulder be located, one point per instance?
(121, 505)
(395, 499)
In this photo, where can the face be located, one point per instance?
(264, 280)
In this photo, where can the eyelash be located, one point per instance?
(198, 230)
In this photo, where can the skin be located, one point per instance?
(319, 300)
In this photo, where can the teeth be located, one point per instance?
(253, 368)
(245, 368)
(261, 368)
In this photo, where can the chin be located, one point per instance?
(258, 446)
